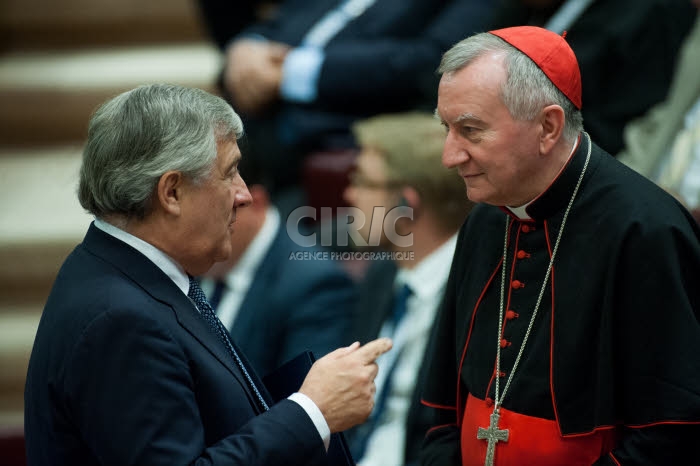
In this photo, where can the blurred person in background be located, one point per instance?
(664, 144)
(626, 49)
(276, 305)
(399, 167)
(301, 77)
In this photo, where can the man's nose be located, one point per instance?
(452, 153)
(243, 197)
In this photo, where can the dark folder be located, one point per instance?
(286, 380)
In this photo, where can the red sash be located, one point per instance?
(531, 440)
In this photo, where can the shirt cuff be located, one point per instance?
(300, 73)
(315, 414)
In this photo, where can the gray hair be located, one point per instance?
(526, 89)
(137, 136)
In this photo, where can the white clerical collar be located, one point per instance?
(164, 262)
(521, 211)
(430, 274)
(255, 253)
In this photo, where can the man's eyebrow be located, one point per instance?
(465, 117)
(468, 117)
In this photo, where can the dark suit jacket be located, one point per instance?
(293, 306)
(374, 307)
(124, 371)
(375, 61)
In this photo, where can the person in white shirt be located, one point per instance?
(399, 168)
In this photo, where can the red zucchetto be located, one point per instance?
(551, 53)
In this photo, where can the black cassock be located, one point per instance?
(611, 368)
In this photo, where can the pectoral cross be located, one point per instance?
(493, 435)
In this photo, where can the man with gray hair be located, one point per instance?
(569, 331)
(130, 365)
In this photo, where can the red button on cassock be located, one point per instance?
(517, 284)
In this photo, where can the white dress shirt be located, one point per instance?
(427, 280)
(302, 65)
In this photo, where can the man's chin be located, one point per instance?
(476, 195)
(224, 255)
(225, 251)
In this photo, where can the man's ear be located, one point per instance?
(553, 120)
(410, 198)
(261, 198)
(169, 192)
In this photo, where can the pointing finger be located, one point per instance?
(344, 350)
(372, 350)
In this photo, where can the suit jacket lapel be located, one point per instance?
(148, 276)
(266, 274)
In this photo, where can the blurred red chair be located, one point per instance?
(12, 446)
(325, 175)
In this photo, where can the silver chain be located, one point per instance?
(498, 401)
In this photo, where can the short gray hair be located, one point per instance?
(526, 89)
(137, 136)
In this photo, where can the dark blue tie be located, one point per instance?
(197, 296)
(216, 294)
(399, 305)
(365, 430)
